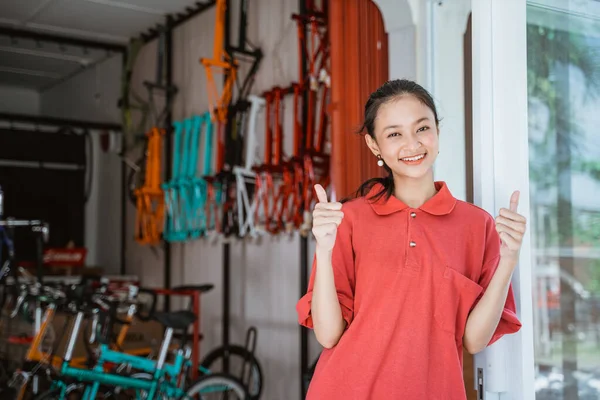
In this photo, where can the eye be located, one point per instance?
(423, 128)
(394, 134)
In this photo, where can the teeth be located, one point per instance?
(417, 158)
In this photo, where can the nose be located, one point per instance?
(412, 143)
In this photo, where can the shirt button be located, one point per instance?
(412, 244)
(413, 214)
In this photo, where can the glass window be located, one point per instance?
(563, 40)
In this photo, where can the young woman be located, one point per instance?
(405, 275)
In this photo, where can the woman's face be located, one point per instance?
(406, 137)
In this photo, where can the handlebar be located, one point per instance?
(38, 292)
(150, 315)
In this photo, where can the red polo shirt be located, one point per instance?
(406, 280)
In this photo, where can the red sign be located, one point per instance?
(65, 257)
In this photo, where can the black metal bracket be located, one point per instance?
(170, 92)
(179, 18)
(304, 261)
(59, 122)
(59, 39)
(226, 323)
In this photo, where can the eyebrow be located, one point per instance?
(400, 126)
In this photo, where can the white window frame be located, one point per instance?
(501, 163)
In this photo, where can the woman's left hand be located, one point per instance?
(511, 227)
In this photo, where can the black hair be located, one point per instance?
(387, 92)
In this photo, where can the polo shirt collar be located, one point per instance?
(441, 203)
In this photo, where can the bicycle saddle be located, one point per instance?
(200, 288)
(175, 319)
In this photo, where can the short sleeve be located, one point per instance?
(509, 322)
(343, 270)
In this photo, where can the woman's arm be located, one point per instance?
(484, 318)
(327, 317)
(325, 306)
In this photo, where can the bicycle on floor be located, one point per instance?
(149, 379)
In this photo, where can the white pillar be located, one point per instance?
(402, 38)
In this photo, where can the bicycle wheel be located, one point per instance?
(242, 365)
(120, 393)
(217, 386)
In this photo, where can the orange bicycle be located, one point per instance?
(148, 195)
(221, 60)
(150, 198)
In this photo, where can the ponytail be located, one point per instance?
(386, 192)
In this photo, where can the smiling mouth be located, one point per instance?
(414, 160)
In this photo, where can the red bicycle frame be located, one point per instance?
(314, 46)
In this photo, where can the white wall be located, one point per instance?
(103, 211)
(449, 25)
(16, 100)
(92, 96)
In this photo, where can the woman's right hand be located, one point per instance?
(326, 219)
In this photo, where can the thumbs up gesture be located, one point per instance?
(511, 227)
(326, 219)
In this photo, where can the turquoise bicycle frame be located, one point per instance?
(97, 376)
(174, 230)
(168, 387)
(184, 184)
(199, 184)
(186, 193)
(151, 387)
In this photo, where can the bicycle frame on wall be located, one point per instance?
(221, 60)
(230, 117)
(150, 197)
(148, 194)
(315, 48)
(186, 193)
(245, 175)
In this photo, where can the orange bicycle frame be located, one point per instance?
(218, 104)
(150, 197)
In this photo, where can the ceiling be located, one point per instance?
(34, 63)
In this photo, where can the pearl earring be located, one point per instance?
(379, 161)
